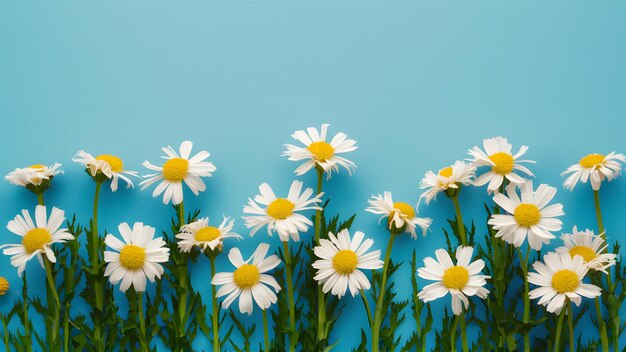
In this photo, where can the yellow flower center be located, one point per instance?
(37, 167)
(504, 163)
(456, 277)
(345, 261)
(116, 163)
(406, 210)
(280, 208)
(527, 215)
(587, 253)
(35, 239)
(207, 234)
(246, 276)
(446, 171)
(565, 281)
(592, 161)
(132, 257)
(175, 169)
(321, 150)
(4, 285)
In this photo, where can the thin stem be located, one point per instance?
(292, 310)
(216, 312)
(266, 337)
(181, 214)
(559, 325)
(182, 281)
(55, 296)
(604, 338)
(66, 328)
(570, 324)
(94, 256)
(321, 301)
(381, 296)
(526, 317)
(367, 307)
(596, 198)
(459, 220)
(29, 341)
(463, 333)
(142, 323)
(6, 334)
(40, 198)
(455, 326)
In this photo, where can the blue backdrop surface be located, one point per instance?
(416, 84)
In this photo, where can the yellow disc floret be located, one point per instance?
(504, 163)
(35, 239)
(207, 234)
(592, 161)
(132, 257)
(406, 210)
(4, 285)
(587, 253)
(175, 169)
(321, 150)
(345, 261)
(527, 215)
(37, 167)
(116, 163)
(280, 208)
(455, 277)
(565, 281)
(246, 276)
(446, 171)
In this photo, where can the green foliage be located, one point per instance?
(417, 340)
(246, 333)
(392, 315)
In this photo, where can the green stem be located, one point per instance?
(604, 338)
(216, 312)
(6, 334)
(66, 328)
(453, 334)
(29, 341)
(142, 323)
(459, 220)
(463, 333)
(367, 308)
(321, 301)
(182, 280)
(266, 338)
(596, 198)
(559, 325)
(526, 317)
(570, 324)
(381, 296)
(55, 295)
(293, 342)
(40, 198)
(94, 256)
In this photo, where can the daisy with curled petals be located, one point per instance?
(529, 216)
(177, 169)
(135, 258)
(340, 261)
(37, 237)
(281, 214)
(498, 155)
(35, 177)
(596, 168)
(398, 214)
(111, 166)
(448, 179)
(590, 247)
(200, 234)
(249, 282)
(316, 151)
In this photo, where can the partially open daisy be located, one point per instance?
(340, 261)
(37, 237)
(281, 214)
(136, 258)
(595, 168)
(111, 166)
(178, 169)
(201, 235)
(503, 163)
(590, 247)
(560, 279)
(34, 176)
(249, 281)
(450, 177)
(530, 216)
(318, 152)
(398, 214)
(461, 280)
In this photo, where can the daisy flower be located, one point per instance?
(450, 177)
(281, 214)
(398, 214)
(136, 258)
(461, 280)
(340, 261)
(503, 163)
(317, 152)
(530, 216)
(560, 278)
(595, 168)
(589, 246)
(111, 166)
(33, 176)
(37, 237)
(249, 281)
(176, 170)
(200, 234)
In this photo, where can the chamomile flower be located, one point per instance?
(318, 152)
(589, 246)
(37, 237)
(136, 258)
(177, 169)
(451, 177)
(4, 285)
(595, 168)
(281, 214)
(503, 163)
(249, 281)
(340, 261)
(560, 279)
(200, 234)
(530, 216)
(461, 280)
(34, 176)
(111, 166)
(398, 214)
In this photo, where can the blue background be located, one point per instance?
(416, 84)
